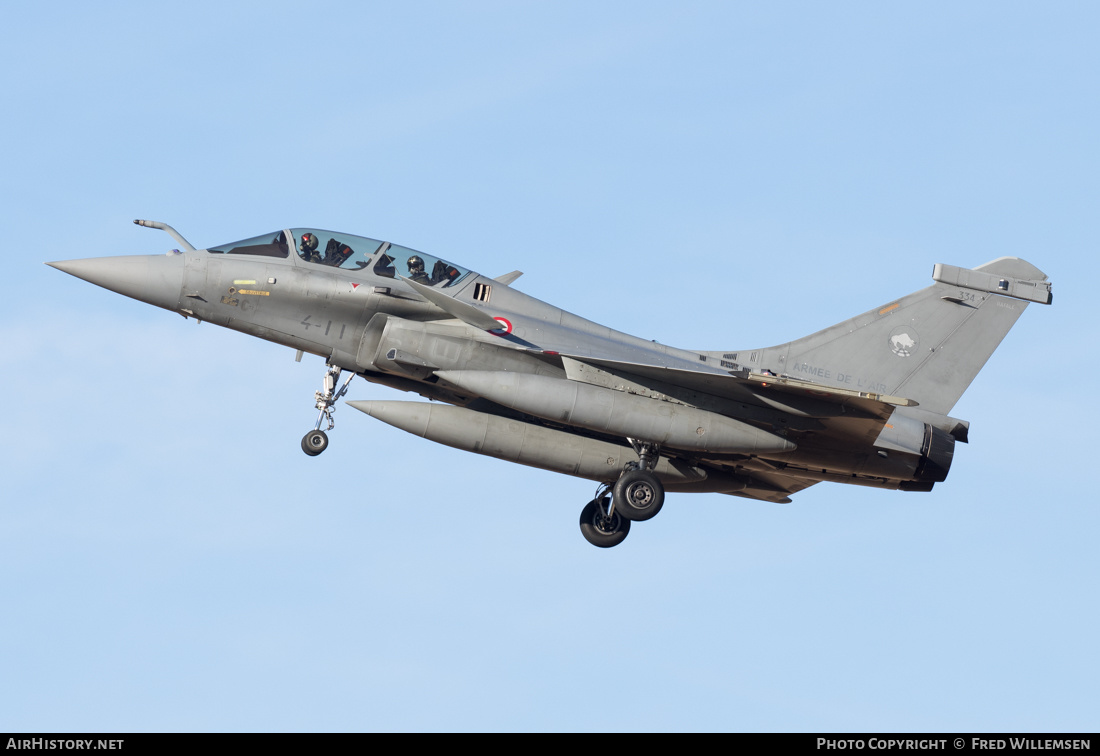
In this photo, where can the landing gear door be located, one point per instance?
(372, 337)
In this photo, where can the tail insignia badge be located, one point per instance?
(904, 341)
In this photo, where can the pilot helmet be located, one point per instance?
(416, 264)
(309, 243)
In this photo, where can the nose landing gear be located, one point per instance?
(316, 441)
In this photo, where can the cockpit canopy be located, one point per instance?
(338, 250)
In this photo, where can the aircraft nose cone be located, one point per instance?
(155, 279)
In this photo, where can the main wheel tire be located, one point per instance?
(639, 495)
(600, 530)
(314, 442)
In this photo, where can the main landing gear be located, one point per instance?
(636, 496)
(601, 525)
(316, 441)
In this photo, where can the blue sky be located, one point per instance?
(710, 175)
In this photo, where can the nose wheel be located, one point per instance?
(316, 441)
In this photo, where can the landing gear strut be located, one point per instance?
(316, 441)
(637, 495)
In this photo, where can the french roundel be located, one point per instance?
(505, 327)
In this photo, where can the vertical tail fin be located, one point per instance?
(927, 346)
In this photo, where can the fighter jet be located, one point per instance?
(863, 402)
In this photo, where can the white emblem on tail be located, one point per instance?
(903, 341)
